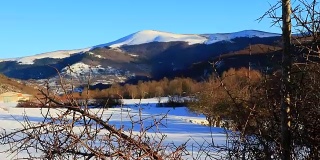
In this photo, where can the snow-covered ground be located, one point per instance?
(180, 124)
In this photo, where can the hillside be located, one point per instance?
(12, 85)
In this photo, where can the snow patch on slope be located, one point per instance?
(82, 68)
(213, 38)
(56, 54)
(133, 55)
(95, 55)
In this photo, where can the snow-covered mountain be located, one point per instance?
(134, 56)
(147, 36)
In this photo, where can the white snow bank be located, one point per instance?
(144, 101)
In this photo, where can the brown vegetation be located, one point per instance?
(226, 98)
(147, 89)
(12, 85)
(249, 103)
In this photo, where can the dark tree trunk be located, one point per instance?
(286, 71)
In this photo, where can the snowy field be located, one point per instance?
(180, 124)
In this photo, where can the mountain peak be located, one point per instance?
(147, 36)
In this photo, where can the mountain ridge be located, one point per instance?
(161, 36)
(148, 36)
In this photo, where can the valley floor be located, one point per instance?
(180, 124)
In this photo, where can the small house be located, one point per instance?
(9, 97)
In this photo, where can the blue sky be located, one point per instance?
(29, 27)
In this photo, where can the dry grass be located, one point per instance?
(15, 86)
